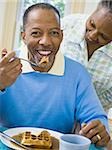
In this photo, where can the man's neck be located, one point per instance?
(41, 69)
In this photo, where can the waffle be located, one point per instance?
(43, 140)
(45, 59)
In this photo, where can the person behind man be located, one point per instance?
(88, 41)
(50, 93)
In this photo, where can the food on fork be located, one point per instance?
(43, 140)
(45, 59)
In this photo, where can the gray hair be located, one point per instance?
(106, 4)
(38, 6)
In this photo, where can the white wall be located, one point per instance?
(8, 10)
(2, 14)
(90, 6)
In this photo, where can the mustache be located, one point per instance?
(43, 48)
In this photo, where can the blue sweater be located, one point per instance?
(50, 101)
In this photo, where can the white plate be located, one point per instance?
(15, 131)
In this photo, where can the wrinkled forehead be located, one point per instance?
(102, 12)
(43, 15)
(102, 15)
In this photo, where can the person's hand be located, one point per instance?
(96, 132)
(10, 68)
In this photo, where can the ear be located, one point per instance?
(61, 35)
(23, 36)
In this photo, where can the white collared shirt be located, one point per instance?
(57, 68)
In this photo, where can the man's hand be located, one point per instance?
(96, 132)
(10, 68)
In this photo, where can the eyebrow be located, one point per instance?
(36, 28)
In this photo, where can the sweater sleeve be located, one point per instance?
(88, 104)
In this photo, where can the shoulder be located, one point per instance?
(76, 73)
(107, 49)
(75, 67)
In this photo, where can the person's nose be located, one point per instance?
(93, 35)
(45, 40)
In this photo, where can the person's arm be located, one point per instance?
(90, 111)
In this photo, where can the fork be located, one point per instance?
(4, 52)
(7, 137)
(30, 62)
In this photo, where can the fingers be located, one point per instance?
(15, 72)
(95, 131)
(10, 68)
(102, 141)
(7, 58)
(9, 61)
(88, 127)
(92, 130)
(83, 125)
(11, 65)
(98, 137)
(4, 52)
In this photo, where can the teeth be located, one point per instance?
(44, 52)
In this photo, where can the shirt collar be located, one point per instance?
(107, 49)
(57, 68)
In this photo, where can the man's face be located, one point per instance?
(99, 28)
(42, 36)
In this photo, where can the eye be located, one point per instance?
(36, 33)
(92, 24)
(55, 33)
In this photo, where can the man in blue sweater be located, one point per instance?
(48, 92)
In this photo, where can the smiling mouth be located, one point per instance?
(44, 53)
(45, 56)
(42, 57)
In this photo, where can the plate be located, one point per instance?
(15, 131)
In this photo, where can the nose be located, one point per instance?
(93, 35)
(45, 40)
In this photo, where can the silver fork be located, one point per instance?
(30, 62)
(7, 137)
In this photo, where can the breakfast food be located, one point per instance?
(20, 138)
(45, 59)
(43, 140)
